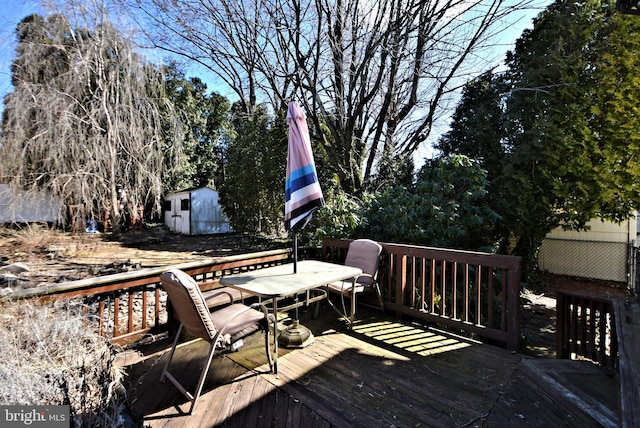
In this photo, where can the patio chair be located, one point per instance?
(364, 254)
(222, 328)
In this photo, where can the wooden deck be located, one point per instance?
(383, 373)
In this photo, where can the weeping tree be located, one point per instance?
(373, 77)
(88, 120)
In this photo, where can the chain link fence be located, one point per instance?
(635, 270)
(602, 260)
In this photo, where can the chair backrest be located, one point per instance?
(188, 303)
(364, 254)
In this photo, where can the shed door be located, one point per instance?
(177, 218)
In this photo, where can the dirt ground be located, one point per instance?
(538, 316)
(54, 257)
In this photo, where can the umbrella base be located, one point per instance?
(296, 336)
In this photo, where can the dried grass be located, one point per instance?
(30, 238)
(50, 357)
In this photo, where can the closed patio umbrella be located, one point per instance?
(303, 194)
(302, 197)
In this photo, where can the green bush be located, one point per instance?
(339, 218)
(446, 207)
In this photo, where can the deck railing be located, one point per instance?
(585, 327)
(474, 292)
(126, 306)
(468, 291)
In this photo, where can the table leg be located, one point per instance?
(275, 335)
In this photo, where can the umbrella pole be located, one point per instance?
(296, 335)
(295, 252)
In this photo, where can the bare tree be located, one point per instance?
(374, 76)
(88, 117)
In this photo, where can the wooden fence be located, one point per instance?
(126, 306)
(606, 331)
(585, 327)
(467, 291)
(473, 292)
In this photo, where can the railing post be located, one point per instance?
(561, 325)
(401, 281)
(513, 328)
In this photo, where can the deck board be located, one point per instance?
(384, 372)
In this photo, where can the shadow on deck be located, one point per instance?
(383, 373)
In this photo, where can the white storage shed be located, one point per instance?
(17, 206)
(195, 212)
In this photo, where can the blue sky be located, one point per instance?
(13, 11)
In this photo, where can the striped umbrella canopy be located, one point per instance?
(303, 194)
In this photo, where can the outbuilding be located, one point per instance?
(195, 212)
(19, 206)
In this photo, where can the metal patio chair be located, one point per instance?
(364, 254)
(222, 328)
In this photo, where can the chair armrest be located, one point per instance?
(216, 296)
(355, 279)
(365, 275)
(269, 317)
(219, 293)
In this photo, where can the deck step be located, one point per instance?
(586, 392)
(627, 313)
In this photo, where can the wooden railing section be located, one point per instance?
(467, 291)
(627, 318)
(606, 331)
(474, 292)
(126, 306)
(585, 327)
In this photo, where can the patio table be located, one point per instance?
(280, 281)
